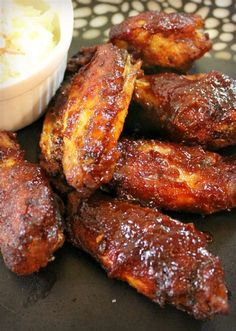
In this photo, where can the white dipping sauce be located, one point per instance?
(29, 32)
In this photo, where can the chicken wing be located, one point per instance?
(30, 222)
(80, 59)
(80, 132)
(51, 141)
(175, 177)
(167, 40)
(195, 109)
(162, 258)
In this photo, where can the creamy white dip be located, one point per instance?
(29, 30)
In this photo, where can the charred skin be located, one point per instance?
(175, 177)
(80, 59)
(87, 125)
(51, 140)
(99, 99)
(167, 40)
(30, 222)
(163, 259)
(194, 109)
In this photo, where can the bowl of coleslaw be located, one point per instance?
(34, 40)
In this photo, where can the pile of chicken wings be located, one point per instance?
(107, 190)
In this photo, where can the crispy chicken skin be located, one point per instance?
(194, 109)
(80, 132)
(167, 40)
(175, 177)
(81, 58)
(51, 140)
(30, 223)
(162, 258)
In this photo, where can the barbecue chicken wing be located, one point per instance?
(51, 141)
(194, 109)
(166, 40)
(175, 177)
(80, 59)
(83, 126)
(30, 223)
(162, 258)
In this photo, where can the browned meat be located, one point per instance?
(162, 258)
(83, 126)
(81, 58)
(175, 177)
(52, 140)
(166, 40)
(30, 223)
(195, 109)
(52, 136)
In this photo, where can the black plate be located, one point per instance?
(74, 293)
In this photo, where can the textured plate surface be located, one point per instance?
(74, 293)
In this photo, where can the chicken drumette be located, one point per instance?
(83, 126)
(167, 40)
(194, 109)
(162, 258)
(175, 177)
(30, 222)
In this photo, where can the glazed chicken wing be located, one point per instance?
(30, 222)
(167, 40)
(81, 131)
(194, 109)
(175, 177)
(163, 259)
(51, 138)
(51, 141)
(80, 59)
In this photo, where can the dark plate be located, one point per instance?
(74, 293)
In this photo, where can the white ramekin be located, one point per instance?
(25, 100)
